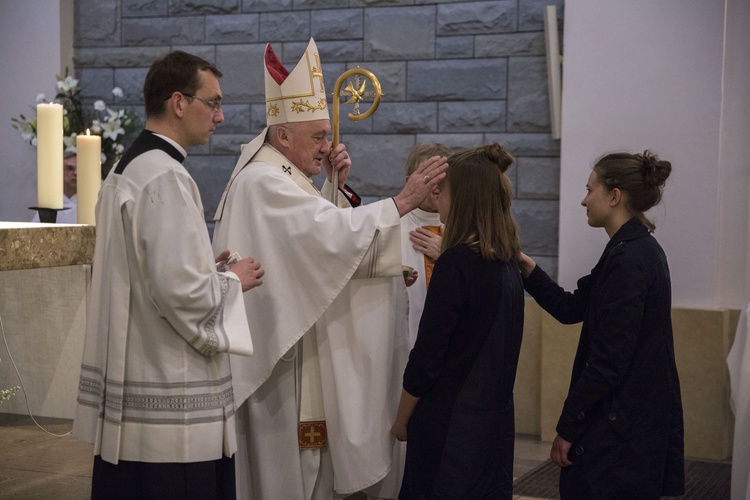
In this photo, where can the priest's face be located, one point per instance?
(308, 145)
(430, 203)
(201, 115)
(70, 175)
(443, 200)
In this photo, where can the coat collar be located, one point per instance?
(633, 229)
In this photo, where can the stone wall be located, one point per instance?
(461, 73)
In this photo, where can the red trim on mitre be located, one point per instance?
(277, 70)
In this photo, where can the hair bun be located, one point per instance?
(498, 155)
(655, 171)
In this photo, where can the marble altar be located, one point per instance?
(45, 270)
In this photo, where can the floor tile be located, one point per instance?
(37, 465)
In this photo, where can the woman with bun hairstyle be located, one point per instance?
(620, 435)
(457, 401)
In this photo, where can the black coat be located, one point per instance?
(463, 367)
(623, 412)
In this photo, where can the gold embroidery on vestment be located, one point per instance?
(313, 434)
(302, 106)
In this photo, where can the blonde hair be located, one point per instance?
(421, 152)
(481, 193)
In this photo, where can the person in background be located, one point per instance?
(456, 410)
(70, 201)
(420, 238)
(620, 435)
(420, 246)
(156, 393)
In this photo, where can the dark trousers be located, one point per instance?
(213, 480)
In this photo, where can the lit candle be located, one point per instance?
(49, 155)
(89, 148)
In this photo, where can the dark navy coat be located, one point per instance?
(623, 412)
(463, 367)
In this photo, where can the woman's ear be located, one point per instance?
(616, 197)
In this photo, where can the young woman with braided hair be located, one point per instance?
(620, 435)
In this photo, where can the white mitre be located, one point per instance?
(296, 96)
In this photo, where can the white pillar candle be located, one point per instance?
(49, 155)
(89, 153)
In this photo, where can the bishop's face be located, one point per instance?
(309, 146)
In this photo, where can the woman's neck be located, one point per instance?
(616, 221)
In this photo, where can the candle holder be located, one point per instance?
(48, 215)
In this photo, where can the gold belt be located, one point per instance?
(312, 434)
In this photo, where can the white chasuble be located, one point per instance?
(155, 381)
(313, 252)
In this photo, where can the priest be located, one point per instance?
(329, 327)
(69, 213)
(155, 392)
(420, 237)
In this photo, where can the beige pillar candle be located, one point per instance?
(49, 155)
(89, 153)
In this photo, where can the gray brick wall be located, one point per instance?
(464, 73)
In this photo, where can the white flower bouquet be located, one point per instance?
(114, 125)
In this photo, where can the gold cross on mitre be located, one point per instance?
(317, 72)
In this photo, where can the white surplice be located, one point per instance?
(332, 271)
(155, 381)
(738, 363)
(412, 258)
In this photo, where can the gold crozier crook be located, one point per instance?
(356, 92)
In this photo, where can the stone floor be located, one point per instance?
(38, 465)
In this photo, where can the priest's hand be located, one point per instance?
(410, 279)
(559, 452)
(338, 160)
(426, 242)
(249, 272)
(420, 184)
(222, 257)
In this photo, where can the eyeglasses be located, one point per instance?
(214, 104)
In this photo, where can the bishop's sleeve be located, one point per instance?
(383, 257)
(202, 305)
